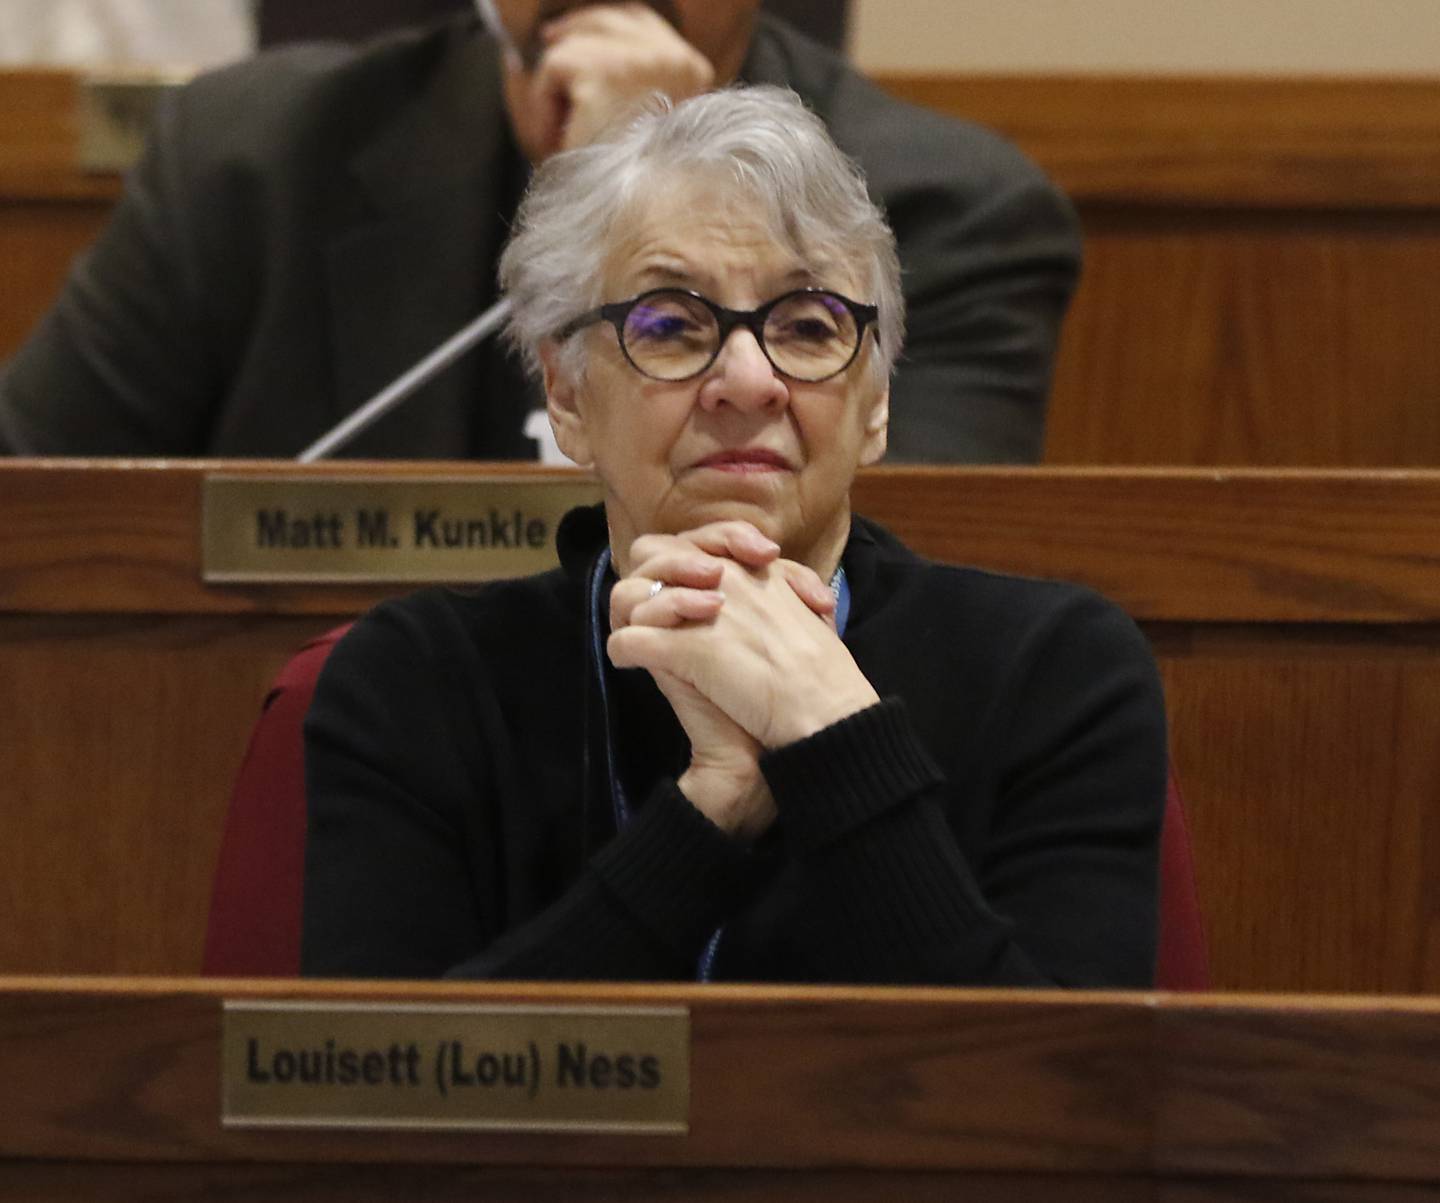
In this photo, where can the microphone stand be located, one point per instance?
(403, 385)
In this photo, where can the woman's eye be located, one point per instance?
(810, 330)
(654, 327)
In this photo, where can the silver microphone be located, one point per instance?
(407, 382)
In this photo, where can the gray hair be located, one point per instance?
(760, 142)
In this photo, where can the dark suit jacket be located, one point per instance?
(307, 224)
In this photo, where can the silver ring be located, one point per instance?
(655, 587)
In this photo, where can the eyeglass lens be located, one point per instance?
(672, 336)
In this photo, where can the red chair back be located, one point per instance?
(254, 928)
(1181, 962)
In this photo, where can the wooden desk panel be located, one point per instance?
(123, 733)
(874, 1073)
(1310, 766)
(796, 1093)
(1295, 616)
(32, 1182)
(1225, 545)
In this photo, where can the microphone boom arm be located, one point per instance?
(407, 382)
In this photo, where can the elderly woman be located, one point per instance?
(740, 733)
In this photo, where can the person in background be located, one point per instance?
(741, 733)
(314, 20)
(307, 224)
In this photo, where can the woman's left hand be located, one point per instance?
(755, 649)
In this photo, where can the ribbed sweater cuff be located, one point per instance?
(675, 871)
(843, 776)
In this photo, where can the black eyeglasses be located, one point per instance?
(673, 334)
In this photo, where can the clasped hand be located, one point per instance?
(743, 645)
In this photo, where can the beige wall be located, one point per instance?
(82, 33)
(1198, 36)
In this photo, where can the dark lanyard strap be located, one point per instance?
(619, 800)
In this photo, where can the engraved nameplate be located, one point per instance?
(510, 1068)
(289, 528)
(115, 112)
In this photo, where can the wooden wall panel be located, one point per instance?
(40, 139)
(1262, 279)
(1208, 141)
(49, 209)
(1223, 337)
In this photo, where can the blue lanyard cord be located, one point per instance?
(839, 586)
(618, 798)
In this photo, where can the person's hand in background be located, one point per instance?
(596, 63)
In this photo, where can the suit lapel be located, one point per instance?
(415, 261)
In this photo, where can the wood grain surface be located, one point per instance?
(110, 536)
(794, 1090)
(1251, 337)
(1198, 141)
(50, 210)
(110, 1182)
(1262, 263)
(38, 241)
(1344, 1089)
(779, 1079)
(121, 737)
(1311, 769)
(40, 140)
(30, 1182)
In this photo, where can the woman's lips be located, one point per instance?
(753, 459)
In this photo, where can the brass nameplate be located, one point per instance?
(115, 112)
(309, 529)
(510, 1068)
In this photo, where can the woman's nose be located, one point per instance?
(742, 376)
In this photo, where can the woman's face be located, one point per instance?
(739, 440)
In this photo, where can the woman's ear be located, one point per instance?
(562, 405)
(877, 430)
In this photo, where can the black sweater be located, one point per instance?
(994, 820)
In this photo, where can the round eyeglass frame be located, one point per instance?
(617, 313)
